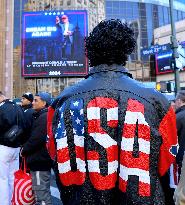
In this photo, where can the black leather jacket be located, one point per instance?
(113, 139)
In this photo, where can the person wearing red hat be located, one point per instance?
(67, 30)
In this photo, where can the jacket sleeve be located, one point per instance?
(168, 149)
(50, 136)
(38, 136)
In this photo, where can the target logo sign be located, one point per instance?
(23, 194)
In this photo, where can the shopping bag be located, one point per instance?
(22, 194)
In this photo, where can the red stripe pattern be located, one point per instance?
(138, 166)
(99, 135)
(134, 151)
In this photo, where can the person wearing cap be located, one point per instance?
(67, 30)
(26, 101)
(35, 152)
(26, 104)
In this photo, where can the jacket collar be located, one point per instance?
(107, 68)
(180, 109)
(6, 101)
(38, 113)
(26, 107)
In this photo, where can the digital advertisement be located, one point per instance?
(164, 59)
(53, 43)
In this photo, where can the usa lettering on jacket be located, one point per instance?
(107, 159)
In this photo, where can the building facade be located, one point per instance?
(6, 47)
(144, 16)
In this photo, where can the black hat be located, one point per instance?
(28, 96)
(45, 97)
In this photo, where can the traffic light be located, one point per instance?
(165, 86)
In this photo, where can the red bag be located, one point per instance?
(23, 194)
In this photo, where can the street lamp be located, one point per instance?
(174, 47)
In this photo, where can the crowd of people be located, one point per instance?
(109, 140)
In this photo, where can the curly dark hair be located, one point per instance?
(110, 42)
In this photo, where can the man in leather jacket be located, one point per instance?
(111, 137)
(10, 115)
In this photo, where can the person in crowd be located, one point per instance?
(180, 117)
(10, 115)
(26, 103)
(35, 152)
(111, 138)
(179, 195)
(67, 30)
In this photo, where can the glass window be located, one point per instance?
(175, 15)
(108, 11)
(129, 13)
(114, 10)
(160, 14)
(123, 10)
(179, 15)
(142, 13)
(68, 2)
(149, 23)
(135, 10)
(165, 15)
(122, 4)
(128, 4)
(115, 4)
(108, 3)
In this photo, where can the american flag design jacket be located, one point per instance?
(112, 139)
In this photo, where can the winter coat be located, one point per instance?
(28, 114)
(10, 115)
(37, 157)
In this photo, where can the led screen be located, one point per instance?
(53, 43)
(163, 60)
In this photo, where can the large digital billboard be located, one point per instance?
(53, 43)
(164, 58)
